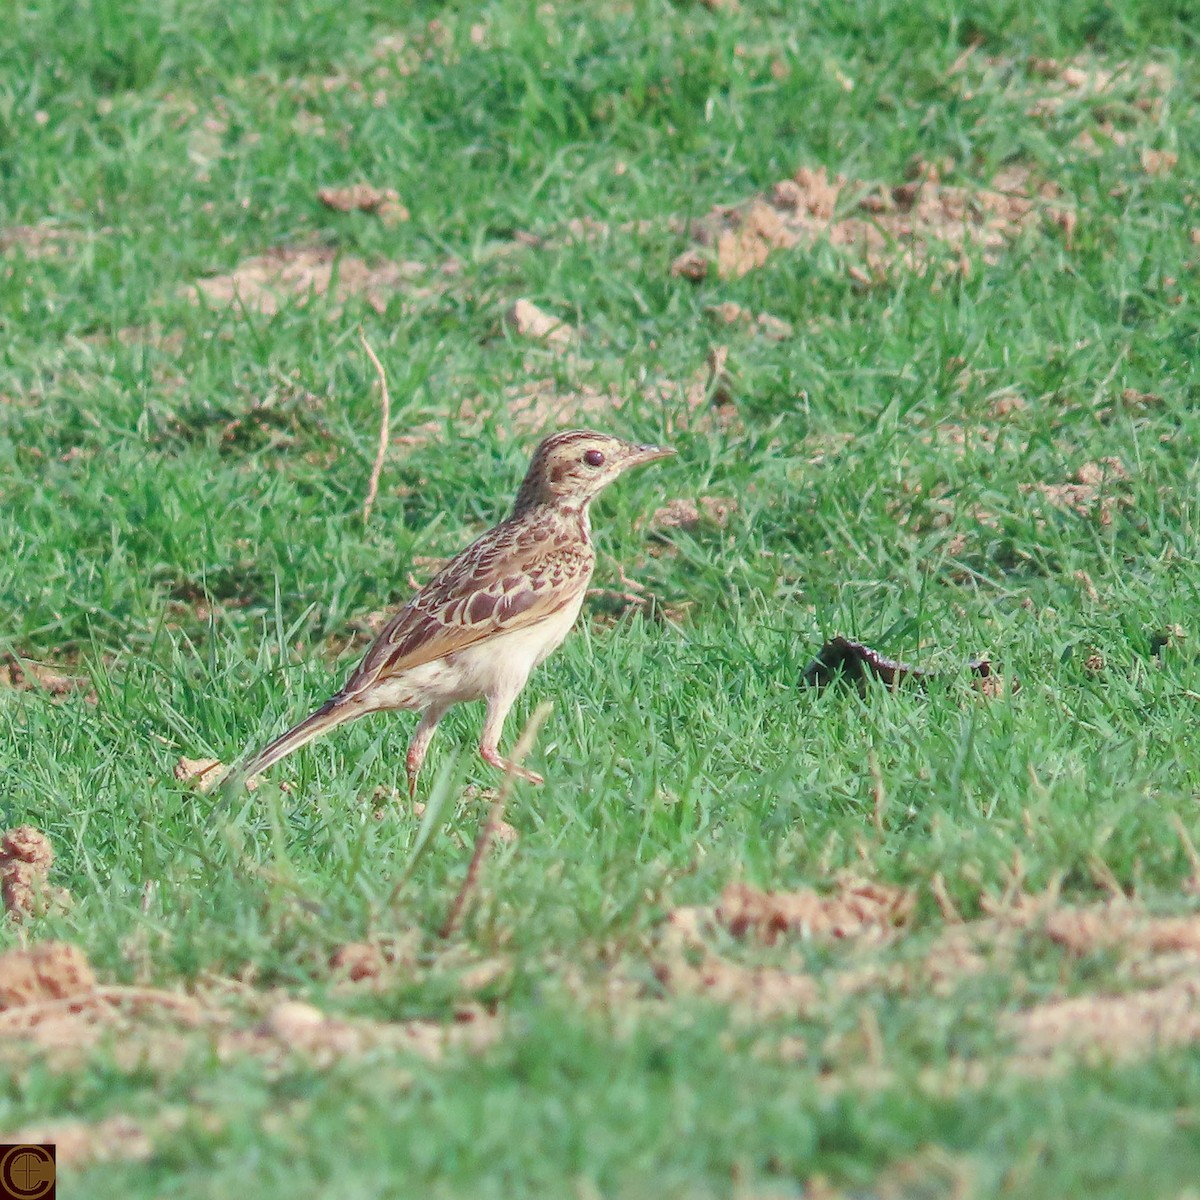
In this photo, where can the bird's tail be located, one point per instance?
(331, 714)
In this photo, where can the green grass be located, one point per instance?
(181, 488)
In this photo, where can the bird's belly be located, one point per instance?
(497, 665)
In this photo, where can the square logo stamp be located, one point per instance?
(27, 1172)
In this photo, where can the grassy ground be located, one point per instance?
(939, 459)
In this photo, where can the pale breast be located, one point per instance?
(497, 665)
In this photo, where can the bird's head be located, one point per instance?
(569, 469)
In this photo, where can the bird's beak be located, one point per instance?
(645, 454)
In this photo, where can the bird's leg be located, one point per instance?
(417, 748)
(489, 739)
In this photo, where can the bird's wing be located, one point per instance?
(509, 579)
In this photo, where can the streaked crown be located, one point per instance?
(569, 469)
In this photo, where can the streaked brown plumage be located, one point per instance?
(495, 611)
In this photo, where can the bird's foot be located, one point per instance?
(493, 758)
(412, 770)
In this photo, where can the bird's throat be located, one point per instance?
(565, 518)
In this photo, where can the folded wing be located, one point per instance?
(489, 589)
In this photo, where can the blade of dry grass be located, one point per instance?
(487, 831)
(385, 417)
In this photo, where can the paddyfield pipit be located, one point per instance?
(495, 611)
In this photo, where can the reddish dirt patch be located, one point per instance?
(1120, 926)
(771, 327)
(51, 1002)
(1153, 946)
(708, 394)
(1096, 474)
(915, 226)
(153, 334)
(362, 197)
(686, 964)
(1162, 953)
(822, 447)
(1093, 491)
(118, 1138)
(1131, 401)
(858, 908)
(382, 960)
(687, 959)
(201, 773)
(26, 856)
(737, 239)
(295, 1027)
(712, 384)
(1115, 1026)
(39, 241)
(358, 960)
(1158, 162)
(755, 992)
(25, 676)
(542, 404)
(689, 515)
(270, 281)
(1094, 80)
(526, 320)
(46, 971)
(1006, 403)
(1121, 101)
(531, 407)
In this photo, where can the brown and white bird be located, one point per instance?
(495, 611)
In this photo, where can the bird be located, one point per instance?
(493, 613)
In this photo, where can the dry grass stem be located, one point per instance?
(1192, 884)
(879, 793)
(937, 885)
(385, 417)
(495, 816)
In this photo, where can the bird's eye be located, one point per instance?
(593, 458)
